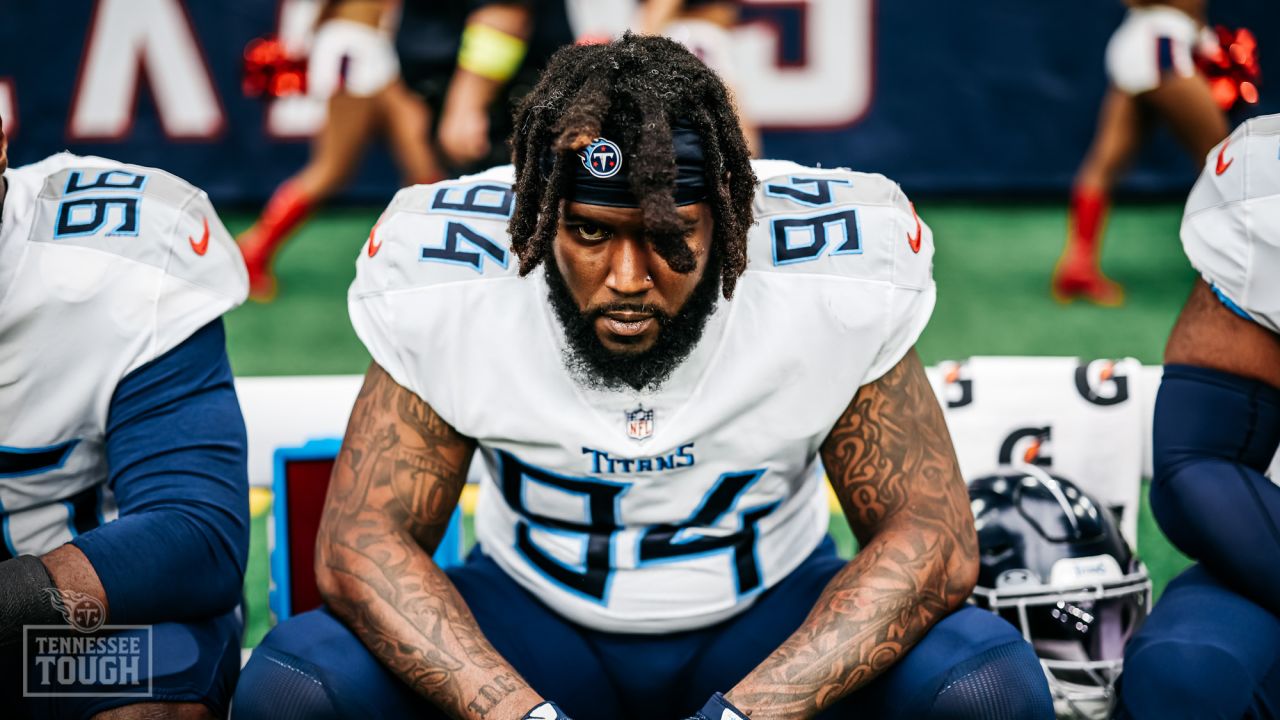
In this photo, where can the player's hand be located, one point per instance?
(545, 711)
(464, 133)
(718, 708)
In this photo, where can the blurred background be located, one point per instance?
(982, 111)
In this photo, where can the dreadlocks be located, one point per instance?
(634, 88)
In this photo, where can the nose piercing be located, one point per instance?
(648, 278)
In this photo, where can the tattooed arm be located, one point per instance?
(394, 488)
(892, 465)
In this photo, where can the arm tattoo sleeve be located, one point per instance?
(891, 462)
(393, 491)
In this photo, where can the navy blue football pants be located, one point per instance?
(1205, 652)
(971, 664)
(191, 662)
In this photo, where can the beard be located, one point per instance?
(596, 366)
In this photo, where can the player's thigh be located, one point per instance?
(1209, 334)
(742, 643)
(971, 664)
(311, 666)
(316, 663)
(964, 652)
(548, 651)
(1205, 651)
(194, 666)
(1187, 105)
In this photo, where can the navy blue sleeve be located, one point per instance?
(177, 462)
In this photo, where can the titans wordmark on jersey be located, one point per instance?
(665, 510)
(103, 268)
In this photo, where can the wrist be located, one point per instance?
(545, 710)
(25, 589)
(718, 707)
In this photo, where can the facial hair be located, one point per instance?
(597, 366)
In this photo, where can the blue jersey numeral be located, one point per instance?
(590, 576)
(669, 543)
(486, 199)
(597, 530)
(456, 233)
(819, 196)
(88, 215)
(804, 239)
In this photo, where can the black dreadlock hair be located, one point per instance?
(634, 88)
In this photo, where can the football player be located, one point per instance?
(1211, 647)
(652, 380)
(123, 487)
(1152, 72)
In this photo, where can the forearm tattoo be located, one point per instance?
(891, 462)
(393, 491)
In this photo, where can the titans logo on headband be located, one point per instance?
(602, 158)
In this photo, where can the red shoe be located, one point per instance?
(1076, 276)
(257, 260)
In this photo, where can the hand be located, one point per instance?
(464, 133)
(718, 708)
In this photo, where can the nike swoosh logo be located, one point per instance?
(374, 244)
(202, 246)
(1222, 166)
(914, 242)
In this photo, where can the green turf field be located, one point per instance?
(992, 268)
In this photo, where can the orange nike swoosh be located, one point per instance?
(1222, 166)
(201, 247)
(374, 245)
(914, 242)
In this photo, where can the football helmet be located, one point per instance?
(1054, 564)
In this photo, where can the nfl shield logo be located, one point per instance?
(602, 158)
(639, 423)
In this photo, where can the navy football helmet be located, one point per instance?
(1054, 564)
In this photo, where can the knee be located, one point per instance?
(1179, 679)
(1005, 682)
(278, 685)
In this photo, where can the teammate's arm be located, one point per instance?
(892, 465)
(394, 489)
(176, 458)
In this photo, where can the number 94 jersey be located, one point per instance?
(669, 509)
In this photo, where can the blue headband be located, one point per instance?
(600, 171)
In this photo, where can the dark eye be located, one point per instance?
(590, 232)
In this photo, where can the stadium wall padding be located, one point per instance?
(997, 97)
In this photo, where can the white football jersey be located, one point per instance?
(1231, 225)
(103, 268)
(650, 512)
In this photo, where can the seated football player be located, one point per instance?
(123, 486)
(1152, 71)
(1211, 647)
(652, 367)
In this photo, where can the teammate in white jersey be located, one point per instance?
(123, 490)
(651, 380)
(1211, 647)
